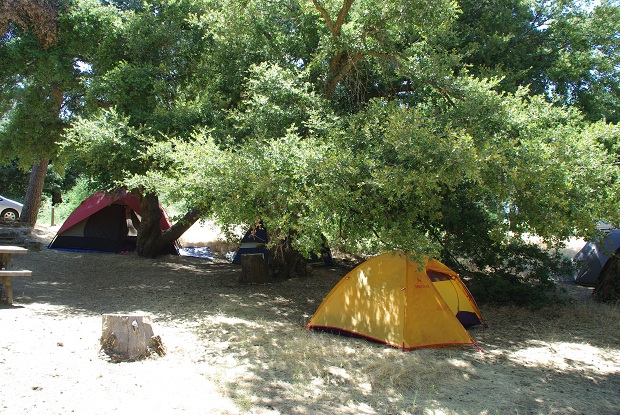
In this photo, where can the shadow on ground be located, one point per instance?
(252, 340)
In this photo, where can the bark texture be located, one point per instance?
(38, 16)
(129, 337)
(286, 262)
(32, 202)
(254, 269)
(152, 241)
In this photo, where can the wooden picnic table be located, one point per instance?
(6, 271)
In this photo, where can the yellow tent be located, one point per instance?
(394, 300)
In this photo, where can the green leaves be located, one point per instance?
(108, 148)
(566, 50)
(404, 124)
(399, 164)
(276, 100)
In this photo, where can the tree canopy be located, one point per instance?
(441, 128)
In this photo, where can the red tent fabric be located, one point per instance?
(100, 200)
(104, 222)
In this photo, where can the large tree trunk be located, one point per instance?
(608, 286)
(32, 202)
(151, 240)
(148, 243)
(285, 262)
(340, 63)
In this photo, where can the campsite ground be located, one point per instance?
(237, 349)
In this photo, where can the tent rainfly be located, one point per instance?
(396, 301)
(105, 222)
(253, 242)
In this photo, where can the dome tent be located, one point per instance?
(397, 301)
(105, 222)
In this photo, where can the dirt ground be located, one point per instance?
(238, 349)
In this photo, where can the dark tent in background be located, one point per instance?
(593, 257)
(105, 222)
(255, 242)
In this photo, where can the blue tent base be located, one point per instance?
(197, 252)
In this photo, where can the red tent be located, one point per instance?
(105, 222)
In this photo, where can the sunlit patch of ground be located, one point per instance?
(564, 356)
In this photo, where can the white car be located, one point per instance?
(10, 209)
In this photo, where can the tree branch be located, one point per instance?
(334, 27)
(340, 73)
(178, 229)
(342, 15)
(387, 57)
(325, 16)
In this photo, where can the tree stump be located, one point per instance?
(127, 338)
(254, 269)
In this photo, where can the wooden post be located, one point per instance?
(7, 283)
(129, 337)
(254, 269)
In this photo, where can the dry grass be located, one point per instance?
(236, 349)
(560, 347)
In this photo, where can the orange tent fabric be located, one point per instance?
(394, 300)
(454, 293)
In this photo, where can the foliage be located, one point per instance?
(149, 66)
(146, 84)
(13, 182)
(526, 164)
(108, 148)
(277, 181)
(565, 50)
(441, 128)
(42, 82)
(276, 100)
(194, 170)
(363, 45)
(280, 182)
(399, 160)
(523, 277)
(40, 79)
(80, 190)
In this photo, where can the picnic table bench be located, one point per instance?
(6, 273)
